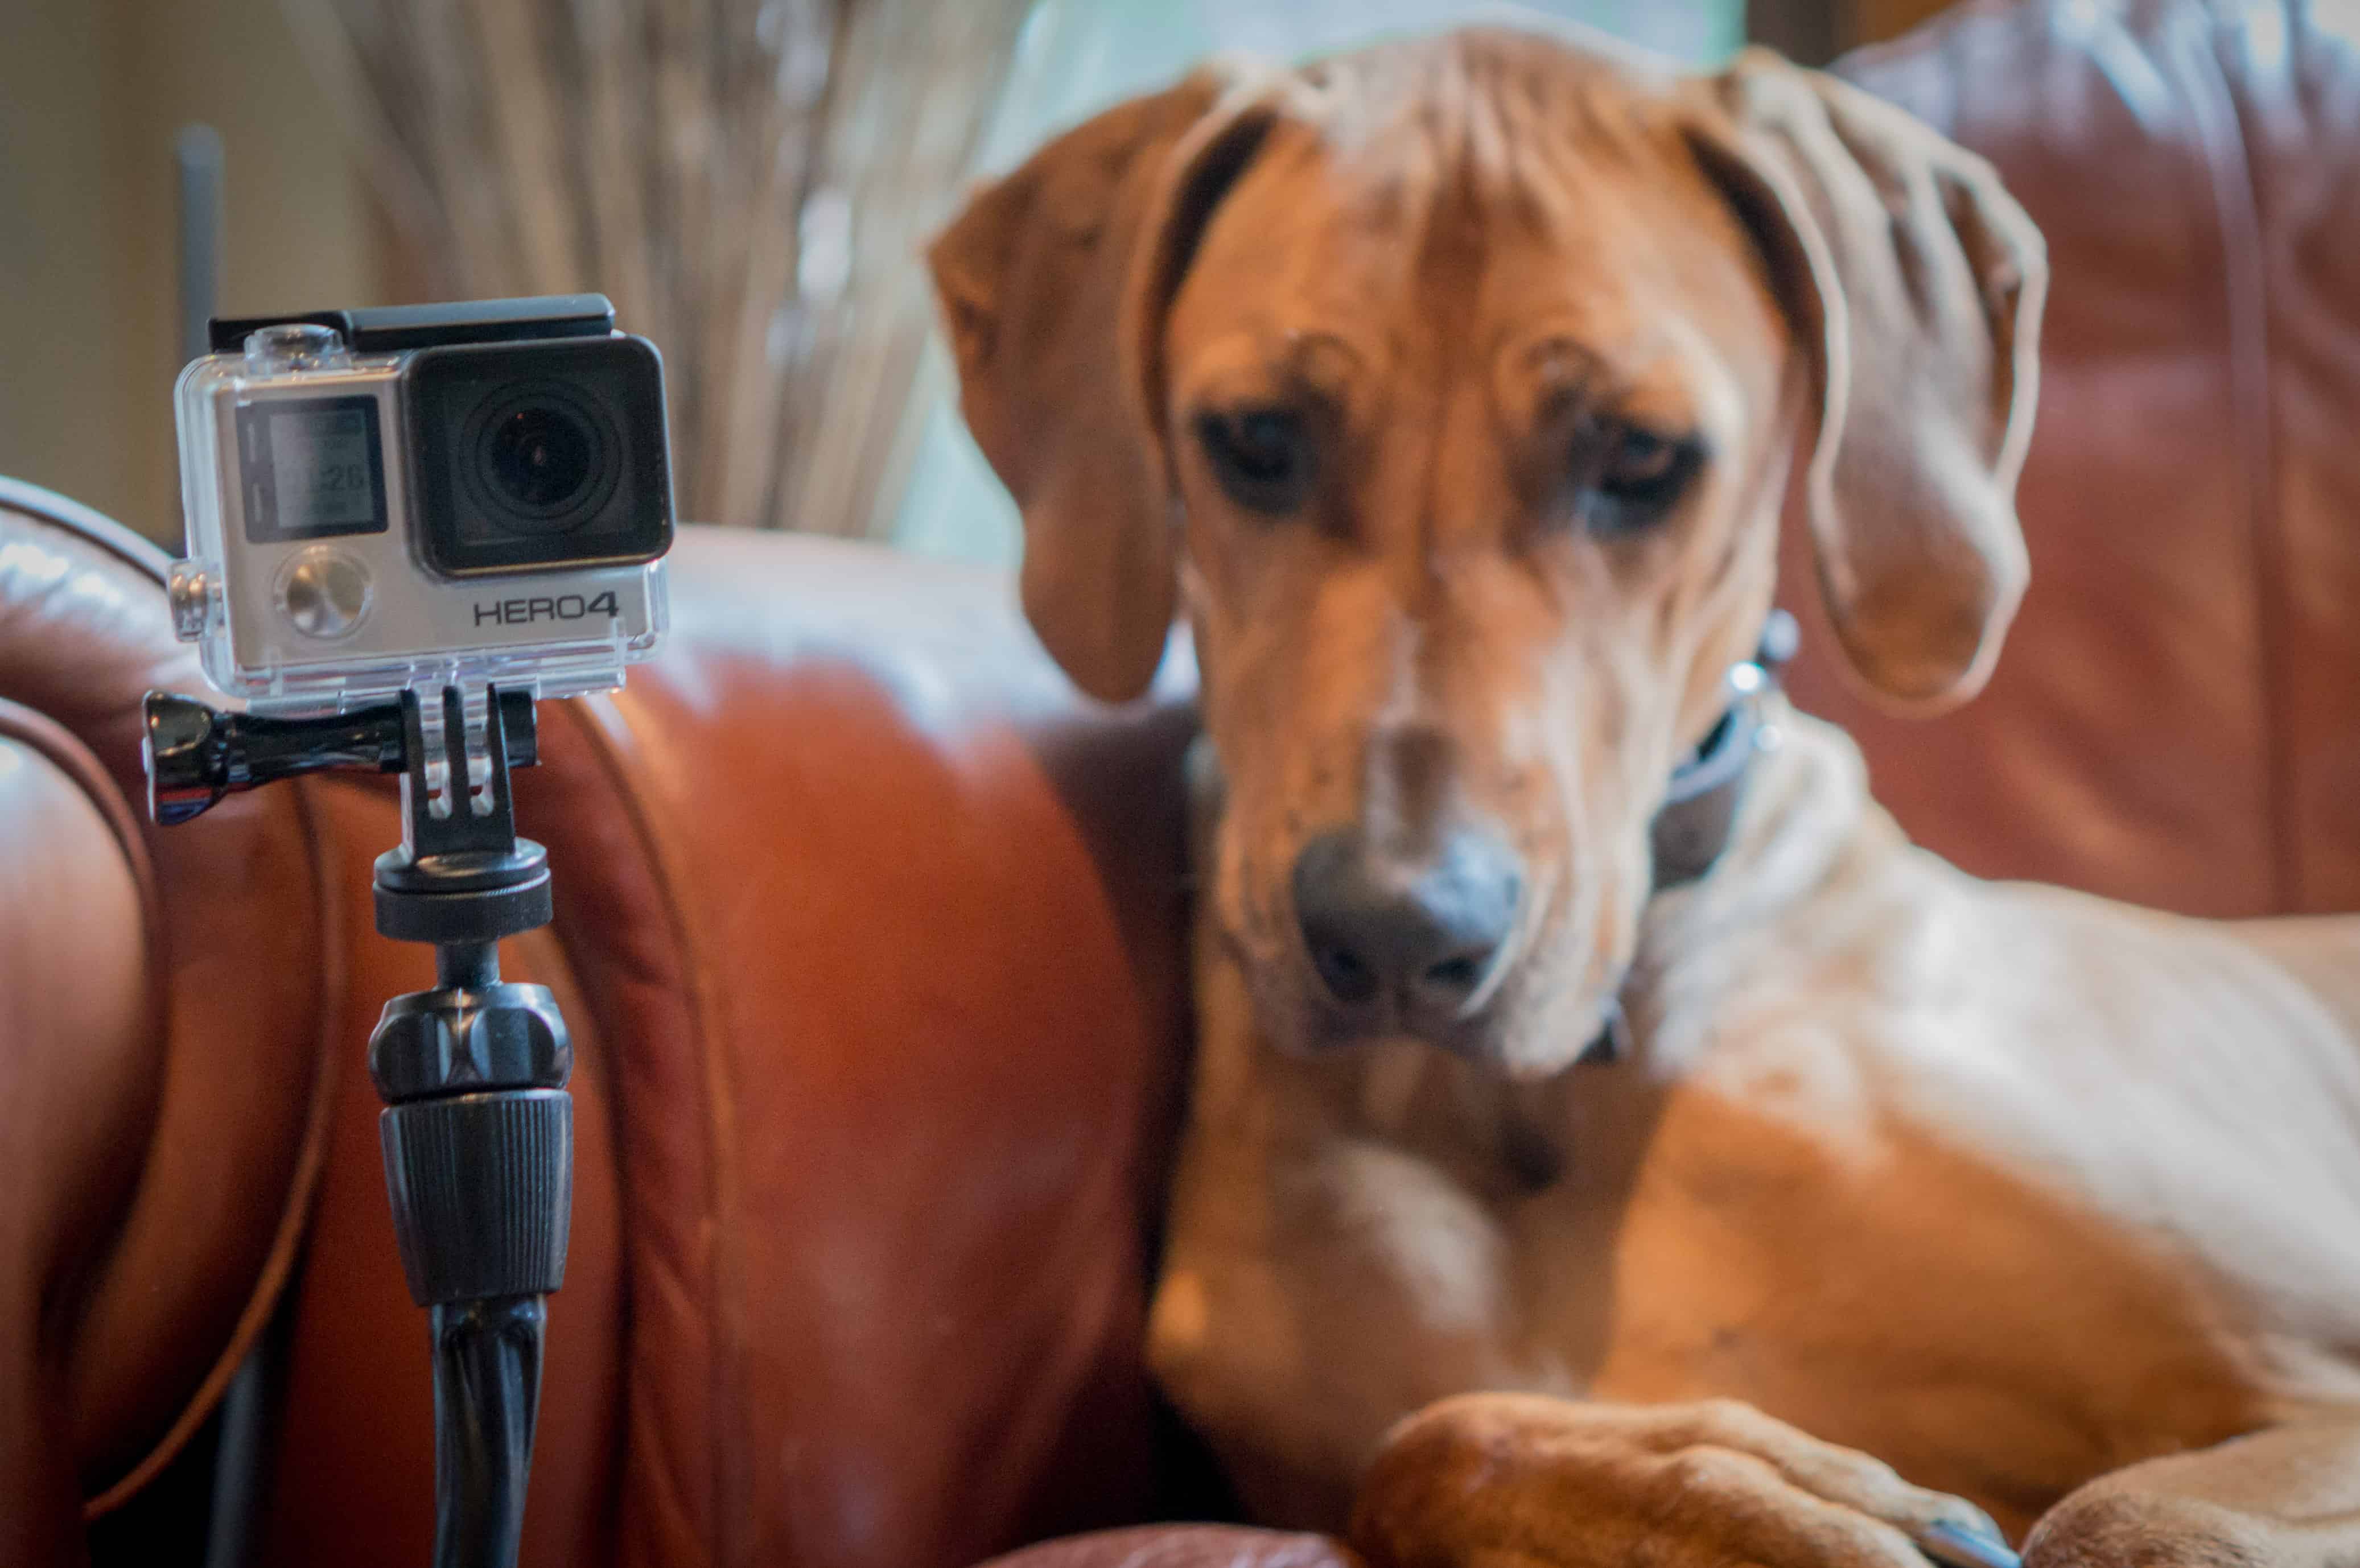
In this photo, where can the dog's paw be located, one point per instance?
(1519, 1479)
(2106, 1525)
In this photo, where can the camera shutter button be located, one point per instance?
(325, 593)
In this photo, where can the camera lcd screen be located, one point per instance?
(314, 469)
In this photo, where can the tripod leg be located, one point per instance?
(487, 1393)
(478, 1142)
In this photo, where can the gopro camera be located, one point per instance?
(466, 495)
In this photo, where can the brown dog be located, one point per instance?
(1456, 389)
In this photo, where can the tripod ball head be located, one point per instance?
(451, 1040)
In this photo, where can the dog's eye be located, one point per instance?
(1635, 476)
(1262, 457)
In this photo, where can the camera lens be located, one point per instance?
(537, 455)
(539, 458)
(544, 462)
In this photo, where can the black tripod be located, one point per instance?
(478, 1129)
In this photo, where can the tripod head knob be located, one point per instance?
(187, 756)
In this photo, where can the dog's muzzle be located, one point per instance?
(1413, 941)
(1419, 941)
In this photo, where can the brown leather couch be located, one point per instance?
(870, 931)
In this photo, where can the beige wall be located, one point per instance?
(91, 93)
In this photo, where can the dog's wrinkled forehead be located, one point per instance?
(1456, 142)
(1527, 212)
(1480, 112)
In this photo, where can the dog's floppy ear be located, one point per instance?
(1914, 282)
(1041, 278)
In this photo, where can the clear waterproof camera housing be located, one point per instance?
(466, 496)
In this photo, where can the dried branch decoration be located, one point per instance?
(750, 181)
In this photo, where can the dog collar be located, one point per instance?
(1691, 827)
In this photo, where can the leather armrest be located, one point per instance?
(165, 1080)
(78, 1085)
(871, 930)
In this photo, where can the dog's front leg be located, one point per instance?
(2287, 1496)
(1523, 1481)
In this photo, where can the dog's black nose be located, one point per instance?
(1425, 929)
